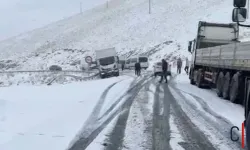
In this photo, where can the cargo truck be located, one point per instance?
(107, 62)
(221, 61)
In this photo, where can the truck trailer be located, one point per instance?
(107, 62)
(221, 61)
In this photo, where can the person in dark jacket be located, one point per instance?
(123, 66)
(137, 69)
(179, 65)
(164, 70)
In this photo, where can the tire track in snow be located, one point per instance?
(116, 137)
(97, 109)
(92, 120)
(84, 141)
(161, 130)
(123, 96)
(194, 138)
(221, 124)
(212, 130)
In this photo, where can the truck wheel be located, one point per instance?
(219, 84)
(199, 79)
(234, 88)
(191, 77)
(192, 81)
(226, 86)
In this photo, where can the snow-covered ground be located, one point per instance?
(206, 102)
(125, 25)
(41, 78)
(47, 117)
(232, 112)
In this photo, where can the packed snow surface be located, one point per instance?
(47, 117)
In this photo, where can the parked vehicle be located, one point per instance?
(157, 68)
(141, 58)
(143, 61)
(219, 60)
(107, 62)
(132, 62)
(127, 62)
(121, 61)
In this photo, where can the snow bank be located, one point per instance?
(46, 117)
(41, 78)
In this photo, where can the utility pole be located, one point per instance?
(80, 7)
(149, 6)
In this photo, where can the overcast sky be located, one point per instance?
(18, 16)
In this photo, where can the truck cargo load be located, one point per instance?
(221, 61)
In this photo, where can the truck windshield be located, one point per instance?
(107, 61)
(133, 60)
(143, 59)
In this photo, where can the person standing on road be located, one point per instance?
(122, 66)
(187, 65)
(137, 69)
(164, 70)
(179, 65)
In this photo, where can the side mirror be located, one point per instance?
(239, 15)
(239, 3)
(190, 46)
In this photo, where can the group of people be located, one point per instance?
(179, 66)
(164, 68)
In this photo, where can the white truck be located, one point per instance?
(107, 62)
(122, 60)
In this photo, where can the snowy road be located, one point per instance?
(162, 117)
(121, 113)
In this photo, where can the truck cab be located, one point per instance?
(107, 62)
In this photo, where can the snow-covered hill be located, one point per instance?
(19, 16)
(125, 24)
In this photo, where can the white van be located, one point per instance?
(132, 62)
(127, 64)
(143, 61)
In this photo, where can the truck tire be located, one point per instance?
(191, 77)
(234, 88)
(192, 81)
(219, 84)
(199, 79)
(226, 86)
